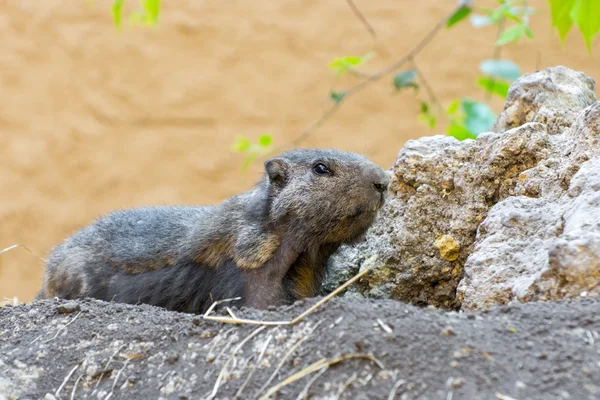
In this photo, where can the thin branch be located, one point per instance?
(371, 79)
(394, 390)
(345, 385)
(64, 382)
(362, 18)
(304, 393)
(428, 88)
(62, 328)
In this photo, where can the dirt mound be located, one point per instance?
(106, 350)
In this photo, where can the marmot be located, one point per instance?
(269, 245)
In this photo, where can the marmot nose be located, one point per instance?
(381, 180)
(380, 187)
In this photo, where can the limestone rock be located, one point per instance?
(440, 187)
(518, 205)
(553, 97)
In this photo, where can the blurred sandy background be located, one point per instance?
(92, 120)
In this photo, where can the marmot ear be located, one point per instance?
(277, 169)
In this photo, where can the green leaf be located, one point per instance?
(405, 79)
(460, 14)
(586, 14)
(503, 69)
(512, 34)
(528, 32)
(426, 116)
(494, 86)
(337, 96)
(343, 64)
(479, 21)
(479, 117)
(242, 145)
(561, 16)
(151, 8)
(453, 107)
(460, 132)
(117, 12)
(499, 14)
(265, 140)
(511, 14)
(430, 120)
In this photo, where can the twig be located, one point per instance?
(315, 367)
(62, 328)
(258, 361)
(302, 395)
(362, 18)
(345, 385)
(217, 340)
(14, 246)
(107, 364)
(504, 397)
(394, 390)
(286, 356)
(75, 386)
(112, 389)
(278, 323)
(372, 78)
(233, 353)
(384, 326)
(64, 382)
(428, 88)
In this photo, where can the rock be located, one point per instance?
(440, 187)
(508, 217)
(448, 247)
(547, 247)
(68, 307)
(553, 97)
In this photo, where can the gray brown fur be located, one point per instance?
(269, 245)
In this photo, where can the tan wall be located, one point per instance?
(92, 120)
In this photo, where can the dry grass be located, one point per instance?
(317, 366)
(239, 321)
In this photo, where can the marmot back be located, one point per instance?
(269, 245)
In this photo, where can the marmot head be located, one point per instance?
(330, 195)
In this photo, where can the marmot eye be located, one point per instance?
(321, 169)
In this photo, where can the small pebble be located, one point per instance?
(172, 359)
(448, 332)
(196, 321)
(112, 327)
(68, 308)
(457, 383)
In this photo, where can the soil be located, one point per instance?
(106, 350)
(92, 119)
